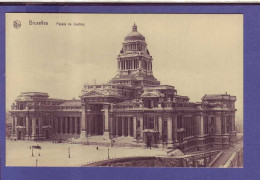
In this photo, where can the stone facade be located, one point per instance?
(132, 104)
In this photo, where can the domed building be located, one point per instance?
(132, 109)
(135, 62)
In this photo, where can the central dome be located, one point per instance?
(134, 35)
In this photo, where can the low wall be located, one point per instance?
(137, 162)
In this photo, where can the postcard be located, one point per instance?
(124, 90)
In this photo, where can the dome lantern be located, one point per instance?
(134, 28)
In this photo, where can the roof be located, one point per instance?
(218, 97)
(71, 103)
(160, 87)
(34, 94)
(134, 35)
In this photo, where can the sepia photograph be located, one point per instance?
(124, 90)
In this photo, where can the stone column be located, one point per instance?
(66, 125)
(106, 113)
(134, 126)
(123, 126)
(117, 126)
(199, 124)
(90, 124)
(225, 124)
(174, 121)
(140, 63)
(33, 127)
(169, 129)
(160, 127)
(76, 125)
(71, 125)
(233, 123)
(27, 126)
(84, 126)
(40, 126)
(202, 125)
(141, 118)
(218, 123)
(61, 125)
(13, 126)
(110, 127)
(129, 126)
(56, 124)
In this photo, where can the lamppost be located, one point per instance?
(36, 162)
(108, 153)
(69, 151)
(32, 151)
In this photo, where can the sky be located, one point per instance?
(197, 53)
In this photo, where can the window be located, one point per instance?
(149, 104)
(164, 125)
(205, 125)
(151, 123)
(212, 120)
(138, 124)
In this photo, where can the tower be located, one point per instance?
(135, 62)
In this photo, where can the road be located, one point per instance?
(227, 154)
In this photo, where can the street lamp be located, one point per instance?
(69, 151)
(108, 153)
(36, 162)
(32, 151)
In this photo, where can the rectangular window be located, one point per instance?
(151, 123)
(205, 125)
(212, 120)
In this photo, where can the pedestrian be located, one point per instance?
(39, 154)
(97, 147)
(30, 147)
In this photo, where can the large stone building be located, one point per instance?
(132, 104)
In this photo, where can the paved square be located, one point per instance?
(18, 153)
